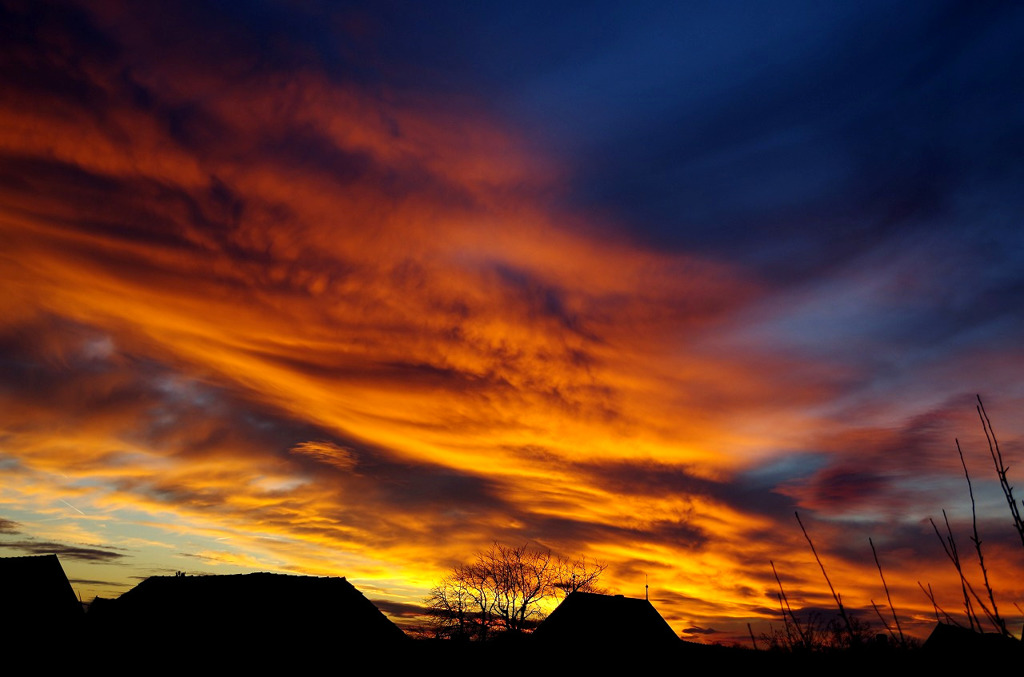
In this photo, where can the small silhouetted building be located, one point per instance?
(606, 622)
(953, 640)
(36, 597)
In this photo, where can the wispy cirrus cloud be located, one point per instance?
(67, 551)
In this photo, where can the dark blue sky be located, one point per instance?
(793, 136)
(790, 135)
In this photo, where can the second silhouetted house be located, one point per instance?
(952, 640)
(606, 622)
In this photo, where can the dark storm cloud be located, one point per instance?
(72, 552)
(9, 526)
(93, 582)
(78, 370)
(423, 486)
(81, 371)
(399, 609)
(545, 301)
(919, 542)
(41, 50)
(678, 597)
(695, 606)
(637, 569)
(50, 360)
(647, 478)
(892, 542)
(577, 533)
(846, 486)
(757, 491)
(407, 374)
(892, 469)
(757, 497)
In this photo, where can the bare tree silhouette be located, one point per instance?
(503, 588)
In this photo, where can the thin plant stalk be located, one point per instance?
(976, 539)
(835, 595)
(895, 618)
(784, 604)
(949, 546)
(785, 622)
(935, 605)
(965, 585)
(882, 618)
(1001, 469)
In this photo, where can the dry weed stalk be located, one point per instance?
(949, 547)
(784, 606)
(1001, 469)
(903, 640)
(976, 539)
(949, 544)
(885, 625)
(835, 595)
(935, 605)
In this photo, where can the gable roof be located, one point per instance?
(35, 589)
(606, 620)
(258, 605)
(946, 639)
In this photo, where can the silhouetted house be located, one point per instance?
(953, 640)
(36, 597)
(263, 610)
(606, 622)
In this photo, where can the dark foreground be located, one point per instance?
(183, 652)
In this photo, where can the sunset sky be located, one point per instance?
(359, 289)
